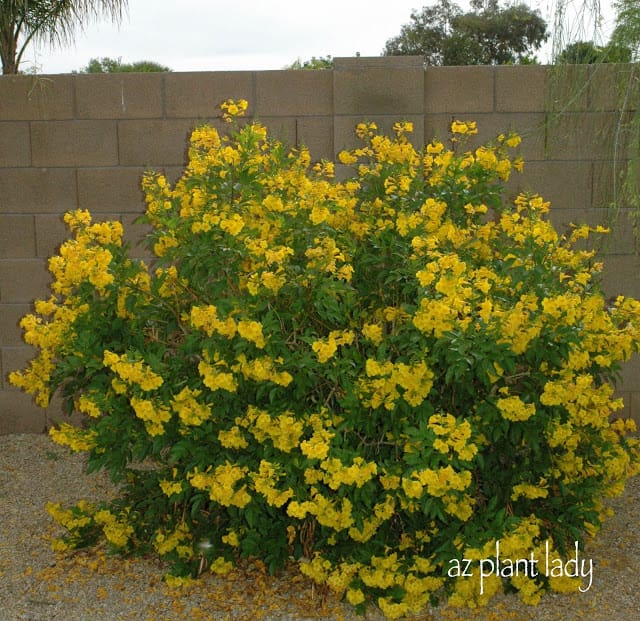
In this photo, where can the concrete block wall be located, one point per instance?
(84, 141)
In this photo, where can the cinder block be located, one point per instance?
(74, 143)
(632, 406)
(568, 88)
(37, 190)
(11, 332)
(437, 126)
(283, 129)
(111, 190)
(15, 147)
(520, 88)
(459, 90)
(351, 63)
(172, 173)
(623, 238)
(23, 280)
(38, 97)
(51, 231)
(14, 358)
(20, 414)
(154, 144)
(119, 95)
(567, 185)
(17, 237)
(616, 184)
(608, 184)
(614, 86)
(583, 136)
(530, 126)
(199, 95)
(293, 93)
(621, 276)
(613, 136)
(630, 373)
(316, 133)
(135, 233)
(378, 90)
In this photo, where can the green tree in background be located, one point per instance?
(623, 45)
(111, 65)
(588, 53)
(626, 33)
(487, 35)
(51, 21)
(315, 63)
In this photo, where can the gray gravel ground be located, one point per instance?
(37, 585)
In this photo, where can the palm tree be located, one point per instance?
(51, 21)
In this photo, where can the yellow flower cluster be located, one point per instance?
(206, 318)
(86, 257)
(233, 108)
(382, 511)
(178, 582)
(382, 572)
(263, 369)
(527, 490)
(220, 482)
(332, 513)
(115, 528)
(252, 331)
(215, 378)
(464, 127)
(87, 405)
(283, 430)
(264, 482)
(452, 435)
(153, 415)
(587, 403)
(325, 256)
(438, 482)
(135, 373)
(380, 386)
(36, 377)
(327, 347)
(180, 540)
(514, 409)
(68, 518)
(317, 446)
(337, 474)
(169, 488)
(78, 440)
(51, 338)
(232, 438)
(74, 520)
(190, 411)
(373, 332)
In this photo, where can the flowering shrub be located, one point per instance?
(374, 377)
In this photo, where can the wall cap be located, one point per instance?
(351, 63)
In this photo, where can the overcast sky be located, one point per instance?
(215, 35)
